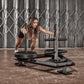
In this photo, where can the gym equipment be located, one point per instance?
(53, 39)
(57, 60)
(51, 51)
(27, 55)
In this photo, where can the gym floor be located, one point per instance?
(38, 74)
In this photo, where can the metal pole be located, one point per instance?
(15, 6)
(67, 21)
(47, 19)
(26, 6)
(37, 15)
(57, 28)
(76, 22)
(26, 17)
(4, 19)
(26, 38)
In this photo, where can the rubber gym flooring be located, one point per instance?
(38, 74)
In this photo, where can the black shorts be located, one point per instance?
(20, 34)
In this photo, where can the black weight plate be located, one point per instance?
(25, 55)
(51, 51)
